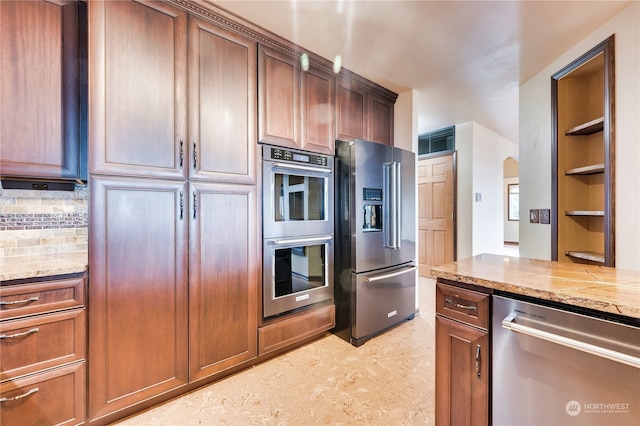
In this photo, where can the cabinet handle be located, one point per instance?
(181, 204)
(478, 361)
(10, 336)
(181, 153)
(32, 391)
(195, 155)
(195, 204)
(459, 306)
(16, 302)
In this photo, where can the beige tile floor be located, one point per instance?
(386, 381)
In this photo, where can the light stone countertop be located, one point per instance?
(13, 268)
(599, 288)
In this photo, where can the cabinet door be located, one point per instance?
(462, 374)
(137, 88)
(352, 111)
(39, 106)
(318, 111)
(278, 98)
(138, 321)
(222, 104)
(380, 119)
(224, 276)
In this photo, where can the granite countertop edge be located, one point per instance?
(599, 295)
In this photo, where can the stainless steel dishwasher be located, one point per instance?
(555, 367)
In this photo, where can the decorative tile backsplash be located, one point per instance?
(43, 222)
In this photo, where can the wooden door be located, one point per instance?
(380, 119)
(352, 111)
(138, 321)
(224, 277)
(137, 88)
(278, 98)
(39, 82)
(318, 111)
(436, 212)
(462, 376)
(222, 104)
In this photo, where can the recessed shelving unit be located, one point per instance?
(582, 214)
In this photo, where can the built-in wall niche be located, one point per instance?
(582, 214)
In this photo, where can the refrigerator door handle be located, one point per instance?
(391, 205)
(389, 275)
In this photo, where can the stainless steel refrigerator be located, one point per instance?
(375, 250)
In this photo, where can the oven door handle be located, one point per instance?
(286, 166)
(301, 240)
(389, 275)
(510, 324)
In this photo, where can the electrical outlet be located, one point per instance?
(534, 216)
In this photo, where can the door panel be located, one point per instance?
(222, 104)
(138, 51)
(318, 111)
(436, 224)
(138, 293)
(224, 280)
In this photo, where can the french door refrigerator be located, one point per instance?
(375, 253)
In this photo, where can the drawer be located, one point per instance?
(39, 297)
(35, 343)
(296, 328)
(54, 397)
(468, 306)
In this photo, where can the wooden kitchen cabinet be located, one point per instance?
(138, 86)
(381, 119)
(318, 110)
(583, 199)
(41, 48)
(43, 351)
(462, 356)
(138, 322)
(223, 277)
(222, 104)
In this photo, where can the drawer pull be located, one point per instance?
(31, 392)
(459, 306)
(33, 330)
(16, 302)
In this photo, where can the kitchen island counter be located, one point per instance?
(598, 288)
(14, 268)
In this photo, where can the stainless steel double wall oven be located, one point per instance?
(298, 223)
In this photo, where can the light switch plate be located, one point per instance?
(534, 216)
(545, 216)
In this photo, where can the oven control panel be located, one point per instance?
(297, 157)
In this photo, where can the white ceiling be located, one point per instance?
(465, 59)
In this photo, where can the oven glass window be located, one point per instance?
(298, 198)
(299, 268)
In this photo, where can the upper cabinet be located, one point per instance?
(138, 89)
(318, 110)
(222, 104)
(583, 159)
(41, 133)
(363, 113)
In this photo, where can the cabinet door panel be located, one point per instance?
(222, 104)
(39, 85)
(137, 87)
(381, 120)
(352, 111)
(318, 111)
(462, 386)
(138, 292)
(224, 278)
(279, 98)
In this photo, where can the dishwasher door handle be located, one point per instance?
(510, 324)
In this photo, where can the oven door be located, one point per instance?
(297, 199)
(297, 272)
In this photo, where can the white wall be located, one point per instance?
(511, 233)
(535, 141)
(480, 157)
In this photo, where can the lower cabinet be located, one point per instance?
(462, 356)
(42, 349)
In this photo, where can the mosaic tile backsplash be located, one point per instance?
(43, 222)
